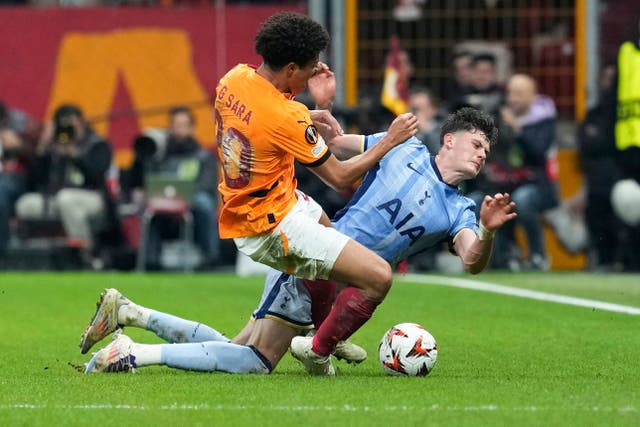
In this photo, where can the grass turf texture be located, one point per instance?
(502, 360)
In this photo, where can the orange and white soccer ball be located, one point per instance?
(408, 349)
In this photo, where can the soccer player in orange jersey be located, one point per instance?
(409, 203)
(261, 130)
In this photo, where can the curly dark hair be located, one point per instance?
(470, 119)
(290, 37)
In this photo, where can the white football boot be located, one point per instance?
(314, 364)
(350, 352)
(105, 319)
(115, 357)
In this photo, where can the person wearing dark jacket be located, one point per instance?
(597, 149)
(18, 134)
(531, 120)
(69, 179)
(182, 156)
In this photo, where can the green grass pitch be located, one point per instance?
(502, 360)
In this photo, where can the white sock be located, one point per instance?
(147, 354)
(133, 315)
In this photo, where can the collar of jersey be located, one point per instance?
(438, 174)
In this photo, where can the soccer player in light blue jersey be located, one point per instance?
(409, 202)
(403, 206)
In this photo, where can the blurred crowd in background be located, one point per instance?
(61, 189)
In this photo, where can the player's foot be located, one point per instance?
(105, 320)
(349, 352)
(116, 357)
(314, 364)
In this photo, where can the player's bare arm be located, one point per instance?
(474, 250)
(322, 87)
(341, 174)
(326, 124)
(346, 146)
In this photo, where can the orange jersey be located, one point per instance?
(260, 131)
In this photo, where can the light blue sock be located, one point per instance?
(215, 356)
(176, 330)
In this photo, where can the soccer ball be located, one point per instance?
(625, 200)
(408, 349)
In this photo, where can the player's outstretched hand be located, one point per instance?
(326, 124)
(402, 128)
(322, 86)
(496, 210)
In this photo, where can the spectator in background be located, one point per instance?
(485, 93)
(462, 74)
(18, 134)
(597, 157)
(531, 120)
(424, 105)
(70, 180)
(183, 157)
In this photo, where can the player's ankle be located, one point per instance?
(321, 349)
(133, 315)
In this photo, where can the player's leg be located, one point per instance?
(304, 245)
(373, 276)
(283, 311)
(354, 305)
(115, 311)
(271, 338)
(174, 329)
(530, 200)
(323, 295)
(243, 336)
(122, 354)
(79, 210)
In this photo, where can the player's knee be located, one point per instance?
(381, 279)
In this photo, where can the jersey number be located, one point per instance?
(236, 153)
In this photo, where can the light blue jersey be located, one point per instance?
(402, 206)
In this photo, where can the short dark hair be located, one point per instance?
(470, 119)
(483, 57)
(417, 90)
(290, 37)
(182, 109)
(67, 110)
(64, 130)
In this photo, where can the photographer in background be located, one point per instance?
(69, 176)
(177, 153)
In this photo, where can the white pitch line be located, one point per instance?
(518, 292)
(435, 407)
